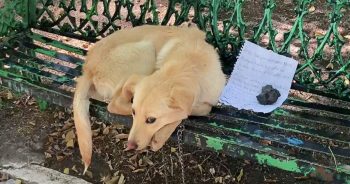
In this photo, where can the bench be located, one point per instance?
(309, 134)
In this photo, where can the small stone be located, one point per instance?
(268, 95)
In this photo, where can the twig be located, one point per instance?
(335, 160)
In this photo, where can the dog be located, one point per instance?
(114, 64)
(188, 81)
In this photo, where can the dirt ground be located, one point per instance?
(51, 134)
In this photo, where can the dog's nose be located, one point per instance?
(131, 145)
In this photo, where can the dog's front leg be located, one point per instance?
(163, 135)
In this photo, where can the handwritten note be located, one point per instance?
(257, 67)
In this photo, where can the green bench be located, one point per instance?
(309, 134)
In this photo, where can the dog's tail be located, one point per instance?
(81, 105)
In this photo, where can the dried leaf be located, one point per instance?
(266, 142)
(122, 136)
(59, 158)
(200, 168)
(113, 180)
(32, 123)
(212, 171)
(239, 177)
(318, 33)
(148, 161)
(70, 136)
(48, 155)
(106, 131)
(96, 132)
(70, 144)
(74, 169)
(85, 45)
(330, 66)
(121, 179)
(131, 167)
(140, 162)
(312, 9)
(66, 171)
(346, 82)
(9, 95)
(347, 37)
(67, 125)
(138, 170)
(172, 149)
(218, 179)
(89, 174)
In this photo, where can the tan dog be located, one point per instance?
(109, 63)
(189, 82)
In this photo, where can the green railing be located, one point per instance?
(223, 20)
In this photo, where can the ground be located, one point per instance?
(48, 138)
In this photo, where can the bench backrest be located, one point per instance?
(314, 33)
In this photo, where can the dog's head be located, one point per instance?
(157, 102)
(122, 99)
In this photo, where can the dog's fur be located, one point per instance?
(188, 82)
(108, 69)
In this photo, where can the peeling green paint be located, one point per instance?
(214, 143)
(288, 165)
(280, 112)
(344, 169)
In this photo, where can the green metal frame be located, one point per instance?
(227, 130)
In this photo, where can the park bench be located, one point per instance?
(309, 134)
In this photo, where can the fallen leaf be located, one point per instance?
(59, 158)
(85, 45)
(140, 162)
(138, 170)
(131, 167)
(212, 171)
(266, 142)
(239, 177)
(32, 123)
(48, 155)
(113, 180)
(346, 82)
(318, 33)
(148, 161)
(105, 131)
(96, 132)
(70, 144)
(172, 149)
(200, 168)
(330, 66)
(66, 171)
(74, 169)
(312, 9)
(89, 174)
(347, 37)
(70, 136)
(122, 136)
(9, 95)
(218, 179)
(121, 179)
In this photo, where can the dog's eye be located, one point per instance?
(150, 120)
(132, 100)
(133, 112)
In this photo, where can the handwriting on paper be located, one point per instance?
(257, 67)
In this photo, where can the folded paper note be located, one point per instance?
(255, 68)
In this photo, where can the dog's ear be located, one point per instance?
(181, 99)
(122, 98)
(128, 89)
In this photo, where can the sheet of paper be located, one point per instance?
(255, 68)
